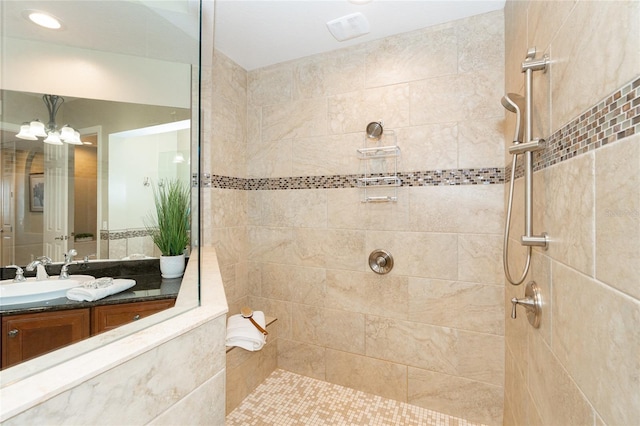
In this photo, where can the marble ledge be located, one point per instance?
(137, 338)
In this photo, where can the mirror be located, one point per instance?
(128, 148)
(129, 75)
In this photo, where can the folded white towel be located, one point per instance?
(241, 332)
(90, 294)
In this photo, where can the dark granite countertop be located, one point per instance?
(149, 285)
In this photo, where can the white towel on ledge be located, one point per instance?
(241, 332)
(90, 294)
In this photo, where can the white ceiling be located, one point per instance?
(257, 33)
(159, 29)
(254, 33)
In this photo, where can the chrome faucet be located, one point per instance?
(40, 264)
(19, 274)
(68, 260)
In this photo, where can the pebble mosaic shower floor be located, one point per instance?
(286, 399)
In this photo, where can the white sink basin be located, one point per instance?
(36, 291)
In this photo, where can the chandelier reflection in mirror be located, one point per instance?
(36, 129)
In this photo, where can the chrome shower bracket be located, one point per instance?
(536, 240)
(533, 64)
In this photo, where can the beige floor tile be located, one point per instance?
(286, 398)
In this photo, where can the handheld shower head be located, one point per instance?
(515, 103)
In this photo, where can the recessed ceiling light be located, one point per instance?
(43, 19)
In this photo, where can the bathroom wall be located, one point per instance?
(581, 366)
(293, 236)
(225, 203)
(68, 74)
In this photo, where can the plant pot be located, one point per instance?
(172, 266)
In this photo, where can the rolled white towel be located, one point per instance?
(90, 294)
(241, 332)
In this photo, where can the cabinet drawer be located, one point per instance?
(105, 318)
(27, 336)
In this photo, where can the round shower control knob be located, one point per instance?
(380, 261)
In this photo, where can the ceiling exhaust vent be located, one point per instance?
(349, 26)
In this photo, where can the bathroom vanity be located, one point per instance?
(32, 329)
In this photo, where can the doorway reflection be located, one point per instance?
(85, 217)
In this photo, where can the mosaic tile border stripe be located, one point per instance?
(122, 234)
(614, 118)
(482, 176)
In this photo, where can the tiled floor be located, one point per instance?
(285, 399)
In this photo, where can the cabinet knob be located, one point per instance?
(136, 317)
(13, 333)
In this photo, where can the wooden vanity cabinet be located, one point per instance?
(27, 336)
(108, 317)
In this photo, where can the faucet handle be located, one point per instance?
(19, 273)
(68, 256)
(532, 303)
(514, 303)
(44, 259)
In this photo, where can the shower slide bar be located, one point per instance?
(530, 65)
(523, 143)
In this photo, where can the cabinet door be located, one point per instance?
(27, 336)
(107, 317)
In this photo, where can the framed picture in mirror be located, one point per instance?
(36, 192)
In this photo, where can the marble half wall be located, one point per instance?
(172, 372)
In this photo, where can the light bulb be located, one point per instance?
(75, 139)
(66, 133)
(25, 133)
(53, 139)
(37, 129)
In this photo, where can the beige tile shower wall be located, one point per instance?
(432, 330)
(228, 118)
(224, 211)
(582, 365)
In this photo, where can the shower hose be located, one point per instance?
(507, 222)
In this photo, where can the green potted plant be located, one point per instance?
(169, 226)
